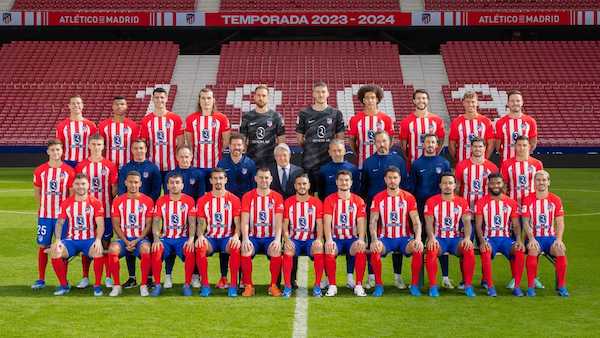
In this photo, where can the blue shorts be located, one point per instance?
(72, 164)
(75, 246)
(502, 245)
(108, 229)
(395, 245)
(545, 243)
(136, 252)
(218, 244)
(449, 245)
(343, 245)
(45, 231)
(261, 245)
(303, 248)
(174, 246)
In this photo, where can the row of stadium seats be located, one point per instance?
(479, 5)
(561, 88)
(146, 5)
(38, 78)
(308, 5)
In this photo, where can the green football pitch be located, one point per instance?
(32, 314)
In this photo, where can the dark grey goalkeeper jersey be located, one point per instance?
(318, 128)
(261, 131)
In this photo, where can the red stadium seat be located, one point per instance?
(512, 5)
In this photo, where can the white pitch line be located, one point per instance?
(578, 190)
(301, 311)
(581, 215)
(18, 212)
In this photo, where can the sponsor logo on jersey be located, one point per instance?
(260, 133)
(321, 132)
(117, 140)
(218, 217)
(497, 220)
(174, 219)
(76, 138)
(262, 216)
(132, 219)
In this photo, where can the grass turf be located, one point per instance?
(29, 313)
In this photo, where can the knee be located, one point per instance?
(145, 248)
(114, 248)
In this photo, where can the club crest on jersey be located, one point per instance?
(260, 133)
(438, 170)
(63, 174)
(329, 120)
(174, 219)
(146, 174)
(227, 206)
(53, 185)
(218, 217)
(262, 216)
(343, 218)
(431, 128)
(117, 140)
(311, 210)
(244, 171)
(104, 171)
(321, 132)
(140, 208)
(127, 130)
(132, 219)
(213, 123)
(479, 128)
(497, 220)
(504, 208)
(269, 123)
(542, 220)
(182, 207)
(394, 217)
(168, 124)
(380, 125)
(192, 181)
(476, 185)
(77, 138)
(351, 208)
(85, 128)
(456, 210)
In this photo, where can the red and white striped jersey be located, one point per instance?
(54, 184)
(262, 211)
(102, 176)
(507, 131)
(463, 131)
(133, 213)
(219, 213)
(118, 137)
(472, 179)
(497, 215)
(363, 128)
(413, 130)
(207, 137)
(74, 136)
(518, 176)
(80, 217)
(174, 215)
(446, 215)
(162, 133)
(393, 213)
(542, 213)
(344, 215)
(302, 217)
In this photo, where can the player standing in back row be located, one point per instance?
(512, 125)
(468, 126)
(74, 132)
(263, 129)
(119, 132)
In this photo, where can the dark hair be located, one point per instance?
(81, 176)
(362, 91)
(118, 98)
(513, 92)
(262, 86)
(521, 138)
(96, 136)
(447, 174)
(134, 173)
(206, 90)
(217, 171)
(428, 135)
(263, 169)
(303, 175)
(319, 84)
(54, 142)
(343, 172)
(477, 139)
(174, 175)
(236, 136)
(141, 140)
(495, 175)
(470, 95)
(392, 169)
(420, 91)
(159, 90)
(75, 96)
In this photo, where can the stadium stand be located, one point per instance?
(147, 5)
(512, 5)
(560, 88)
(308, 5)
(38, 78)
(291, 68)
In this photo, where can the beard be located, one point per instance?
(496, 192)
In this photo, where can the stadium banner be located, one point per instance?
(317, 19)
(541, 18)
(133, 19)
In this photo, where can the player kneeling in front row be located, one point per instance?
(84, 215)
(302, 233)
(393, 207)
(132, 217)
(344, 230)
(443, 213)
(544, 223)
(494, 215)
(262, 213)
(218, 230)
(174, 226)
